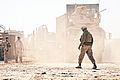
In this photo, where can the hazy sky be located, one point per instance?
(26, 15)
(111, 17)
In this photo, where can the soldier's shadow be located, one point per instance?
(91, 69)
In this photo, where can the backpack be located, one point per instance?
(89, 37)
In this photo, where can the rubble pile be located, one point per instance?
(35, 71)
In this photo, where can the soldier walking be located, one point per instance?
(86, 40)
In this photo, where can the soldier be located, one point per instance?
(6, 45)
(86, 47)
(19, 50)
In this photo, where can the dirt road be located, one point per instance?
(60, 71)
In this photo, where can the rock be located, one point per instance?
(95, 76)
(44, 73)
(93, 71)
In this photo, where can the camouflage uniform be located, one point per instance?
(86, 40)
(6, 45)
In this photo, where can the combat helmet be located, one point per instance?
(84, 28)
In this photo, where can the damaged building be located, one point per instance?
(68, 30)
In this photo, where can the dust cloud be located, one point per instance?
(46, 47)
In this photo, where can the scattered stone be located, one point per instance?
(63, 73)
(44, 73)
(95, 76)
(53, 74)
(93, 71)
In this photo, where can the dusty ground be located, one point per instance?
(37, 71)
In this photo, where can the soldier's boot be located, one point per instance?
(5, 61)
(20, 59)
(16, 60)
(79, 66)
(94, 66)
